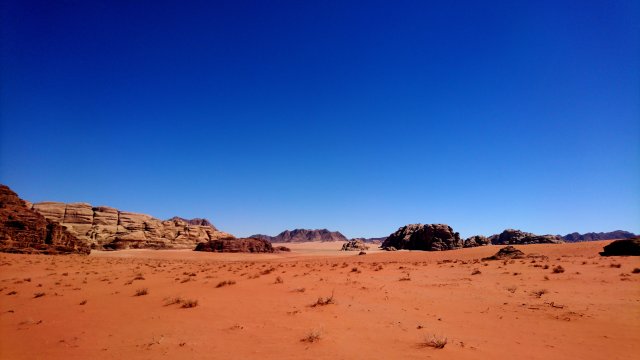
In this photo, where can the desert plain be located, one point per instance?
(316, 302)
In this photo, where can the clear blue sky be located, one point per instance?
(354, 116)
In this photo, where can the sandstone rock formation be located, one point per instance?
(629, 247)
(354, 245)
(109, 228)
(194, 221)
(431, 237)
(517, 237)
(377, 240)
(506, 253)
(251, 245)
(592, 236)
(303, 235)
(477, 240)
(24, 230)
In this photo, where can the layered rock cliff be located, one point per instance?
(109, 228)
(303, 235)
(26, 231)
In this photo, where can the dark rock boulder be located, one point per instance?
(629, 247)
(517, 237)
(248, 245)
(506, 253)
(429, 237)
(476, 240)
(23, 230)
(354, 245)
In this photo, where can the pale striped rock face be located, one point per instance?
(108, 228)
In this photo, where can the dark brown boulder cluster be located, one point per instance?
(430, 237)
(249, 245)
(23, 230)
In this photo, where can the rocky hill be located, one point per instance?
(303, 235)
(109, 228)
(592, 236)
(26, 231)
(430, 237)
(516, 237)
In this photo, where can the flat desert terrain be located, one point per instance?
(318, 303)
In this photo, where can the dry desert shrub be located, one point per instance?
(83, 302)
(13, 292)
(141, 292)
(615, 265)
(558, 269)
(407, 277)
(436, 342)
(267, 271)
(173, 301)
(476, 272)
(225, 283)
(189, 303)
(38, 294)
(322, 301)
(512, 289)
(539, 293)
(635, 271)
(300, 290)
(312, 336)
(278, 280)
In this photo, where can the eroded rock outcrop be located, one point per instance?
(430, 237)
(105, 227)
(354, 245)
(249, 245)
(477, 240)
(377, 240)
(629, 247)
(517, 237)
(507, 253)
(26, 231)
(303, 235)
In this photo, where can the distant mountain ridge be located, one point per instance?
(593, 236)
(303, 235)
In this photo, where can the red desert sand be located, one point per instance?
(318, 303)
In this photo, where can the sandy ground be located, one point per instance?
(386, 305)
